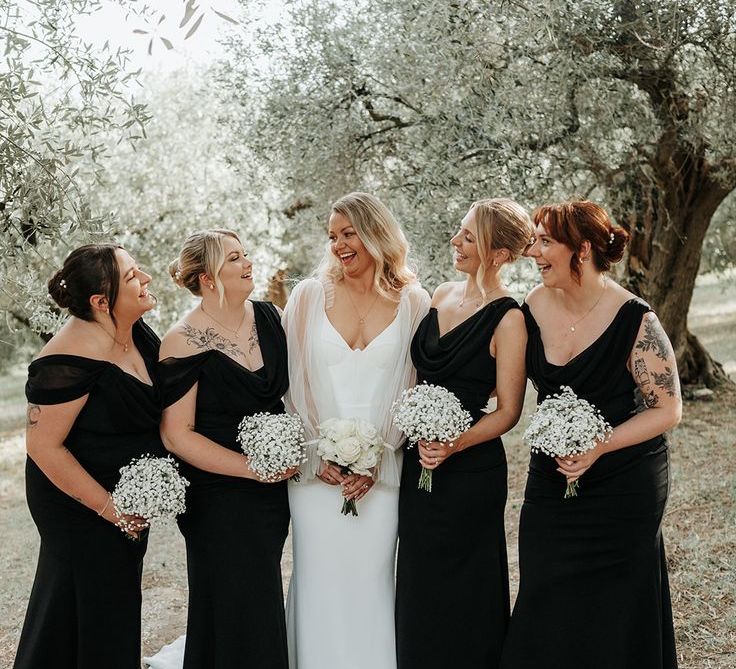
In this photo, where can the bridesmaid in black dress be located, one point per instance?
(226, 359)
(452, 600)
(593, 588)
(92, 408)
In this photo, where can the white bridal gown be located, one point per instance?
(340, 606)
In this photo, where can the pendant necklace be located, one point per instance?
(478, 301)
(605, 285)
(361, 319)
(124, 345)
(222, 325)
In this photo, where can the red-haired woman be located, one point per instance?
(593, 587)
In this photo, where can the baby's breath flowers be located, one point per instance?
(565, 425)
(354, 445)
(430, 413)
(151, 488)
(273, 442)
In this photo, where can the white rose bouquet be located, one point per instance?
(151, 488)
(430, 413)
(273, 443)
(565, 425)
(354, 445)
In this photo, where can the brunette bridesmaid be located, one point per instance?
(593, 589)
(93, 406)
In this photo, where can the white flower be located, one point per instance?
(565, 425)
(348, 450)
(337, 428)
(273, 443)
(366, 431)
(151, 488)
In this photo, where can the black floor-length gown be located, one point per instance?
(452, 598)
(234, 528)
(85, 606)
(593, 590)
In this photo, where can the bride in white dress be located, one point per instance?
(348, 333)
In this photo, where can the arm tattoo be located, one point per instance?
(654, 339)
(253, 338)
(647, 397)
(666, 381)
(208, 340)
(33, 412)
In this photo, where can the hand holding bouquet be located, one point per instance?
(150, 488)
(430, 413)
(274, 443)
(565, 425)
(354, 445)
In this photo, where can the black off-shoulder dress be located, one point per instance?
(85, 606)
(593, 591)
(234, 528)
(452, 590)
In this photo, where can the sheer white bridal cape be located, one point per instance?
(340, 606)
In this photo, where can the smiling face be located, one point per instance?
(236, 272)
(133, 298)
(552, 258)
(347, 247)
(466, 258)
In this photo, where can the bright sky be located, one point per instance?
(110, 23)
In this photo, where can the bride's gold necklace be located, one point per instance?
(361, 318)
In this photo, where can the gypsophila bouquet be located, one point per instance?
(273, 442)
(354, 445)
(150, 487)
(430, 413)
(565, 425)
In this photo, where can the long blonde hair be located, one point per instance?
(500, 223)
(383, 239)
(202, 253)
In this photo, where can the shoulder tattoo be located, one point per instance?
(654, 339)
(253, 338)
(208, 339)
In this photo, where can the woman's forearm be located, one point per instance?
(643, 426)
(205, 454)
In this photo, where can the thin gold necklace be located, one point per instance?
(235, 331)
(124, 345)
(361, 319)
(605, 285)
(479, 302)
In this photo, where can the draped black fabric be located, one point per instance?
(593, 580)
(85, 606)
(452, 599)
(234, 528)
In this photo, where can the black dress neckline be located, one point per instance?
(472, 316)
(140, 333)
(609, 328)
(257, 372)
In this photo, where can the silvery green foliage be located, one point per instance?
(62, 103)
(181, 180)
(428, 412)
(272, 442)
(434, 104)
(566, 425)
(151, 488)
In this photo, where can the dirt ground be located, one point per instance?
(699, 527)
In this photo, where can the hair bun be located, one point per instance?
(58, 290)
(617, 241)
(175, 273)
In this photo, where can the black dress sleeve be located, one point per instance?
(178, 375)
(55, 379)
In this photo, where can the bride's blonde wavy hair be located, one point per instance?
(383, 239)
